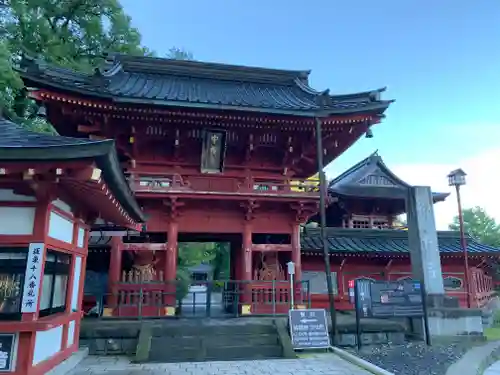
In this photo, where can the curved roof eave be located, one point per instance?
(317, 104)
(19, 144)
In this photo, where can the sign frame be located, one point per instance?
(32, 278)
(366, 295)
(322, 319)
(11, 364)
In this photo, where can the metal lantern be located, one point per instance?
(457, 178)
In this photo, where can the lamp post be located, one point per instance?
(457, 178)
(322, 214)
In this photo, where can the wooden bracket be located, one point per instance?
(304, 210)
(173, 206)
(249, 207)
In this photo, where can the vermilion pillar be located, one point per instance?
(115, 270)
(247, 253)
(171, 263)
(171, 256)
(296, 252)
(246, 266)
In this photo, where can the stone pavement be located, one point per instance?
(494, 369)
(318, 365)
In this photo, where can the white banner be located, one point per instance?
(32, 278)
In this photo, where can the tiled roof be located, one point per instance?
(190, 83)
(19, 144)
(342, 240)
(372, 178)
(15, 136)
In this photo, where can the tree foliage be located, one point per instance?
(70, 33)
(480, 225)
(221, 261)
(191, 254)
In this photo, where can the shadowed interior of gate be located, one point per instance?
(209, 280)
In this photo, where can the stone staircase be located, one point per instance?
(214, 341)
(188, 340)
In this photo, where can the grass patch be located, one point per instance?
(492, 334)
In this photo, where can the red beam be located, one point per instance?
(143, 247)
(271, 247)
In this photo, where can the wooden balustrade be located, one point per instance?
(223, 184)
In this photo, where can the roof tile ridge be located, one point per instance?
(155, 65)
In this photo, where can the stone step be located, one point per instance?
(230, 353)
(211, 330)
(216, 340)
(234, 353)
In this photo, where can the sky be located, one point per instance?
(440, 61)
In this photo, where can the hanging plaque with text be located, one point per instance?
(309, 329)
(32, 277)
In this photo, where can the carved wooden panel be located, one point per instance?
(270, 268)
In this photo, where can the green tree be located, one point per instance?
(480, 225)
(191, 254)
(221, 261)
(70, 33)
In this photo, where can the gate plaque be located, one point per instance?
(309, 329)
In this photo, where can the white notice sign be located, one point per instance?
(32, 278)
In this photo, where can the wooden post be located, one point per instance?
(115, 270)
(171, 256)
(247, 252)
(296, 258)
(171, 262)
(246, 259)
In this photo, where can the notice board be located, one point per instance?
(309, 329)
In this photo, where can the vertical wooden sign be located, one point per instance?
(213, 151)
(32, 278)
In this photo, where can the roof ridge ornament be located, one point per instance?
(110, 66)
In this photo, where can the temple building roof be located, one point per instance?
(375, 241)
(178, 83)
(21, 146)
(371, 178)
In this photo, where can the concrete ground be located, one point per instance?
(318, 365)
(494, 369)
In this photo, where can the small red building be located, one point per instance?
(210, 151)
(365, 243)
(51, 189)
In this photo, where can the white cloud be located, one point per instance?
(482, 189)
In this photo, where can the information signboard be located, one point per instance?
(309, 329)
(7, 351)
(387, 299)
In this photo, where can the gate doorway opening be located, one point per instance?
(215, 277)
(204, 271)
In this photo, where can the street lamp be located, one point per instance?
(322, 214)
(457, 178)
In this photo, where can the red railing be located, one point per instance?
(196, 183)
(482, 287)
(482, 290)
